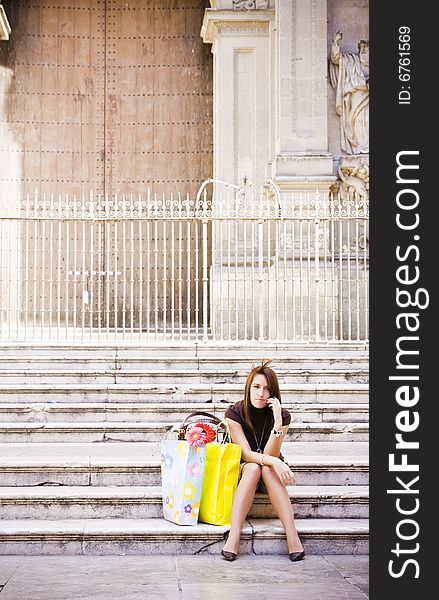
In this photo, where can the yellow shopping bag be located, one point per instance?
(220, 482)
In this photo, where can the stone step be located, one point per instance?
(157, 536)
(153, 432)
(169, 413)
(166, 349)
(102, 495)
(166, 393)
(145, 502)
(79, 360)
(138, 463)
(169, 376)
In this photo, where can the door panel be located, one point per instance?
(113, 97)
(159, 97)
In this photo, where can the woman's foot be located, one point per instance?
(295, 556)
(295, 546)
(230, 556)
(231, 545)
(230, 549)
(296, 550)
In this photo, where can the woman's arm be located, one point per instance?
(248, 455)
(238, 437)
(274, 443)
(281, 468)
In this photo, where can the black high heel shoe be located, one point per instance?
(228, 555)
(295, 556)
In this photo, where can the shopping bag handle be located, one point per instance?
(213, 418)
(227, 438)
(182, 429)
(169, 429)
(221, 425)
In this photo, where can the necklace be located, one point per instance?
(258, 445)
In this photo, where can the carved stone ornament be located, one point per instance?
(354, 181)
(250, 4)
(349, 74)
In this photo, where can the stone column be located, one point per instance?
(270, 123)
(241, 35)
(241, 47)
(301, 159)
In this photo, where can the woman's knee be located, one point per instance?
(269, 475)
(251, 471)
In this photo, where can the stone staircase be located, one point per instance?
(80, 432)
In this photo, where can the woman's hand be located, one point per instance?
(284, 472)
(275, 406)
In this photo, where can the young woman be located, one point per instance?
(259, 425)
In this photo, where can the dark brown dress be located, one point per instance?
(263, 421)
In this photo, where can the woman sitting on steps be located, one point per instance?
(259, 424)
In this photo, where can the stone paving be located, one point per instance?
(318, 577)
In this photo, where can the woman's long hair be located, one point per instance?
(273, 385)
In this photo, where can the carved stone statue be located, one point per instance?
(250, 4)
(349, 74)
(354, 182)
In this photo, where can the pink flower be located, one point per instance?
(196, 436)
(210, 433)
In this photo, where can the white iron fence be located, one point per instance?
(289, 267)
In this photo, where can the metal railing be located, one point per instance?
(286, 267)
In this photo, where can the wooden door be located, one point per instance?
(158, 137)
(113, 97)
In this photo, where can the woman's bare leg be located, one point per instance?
(280, 500)
(244, 495)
